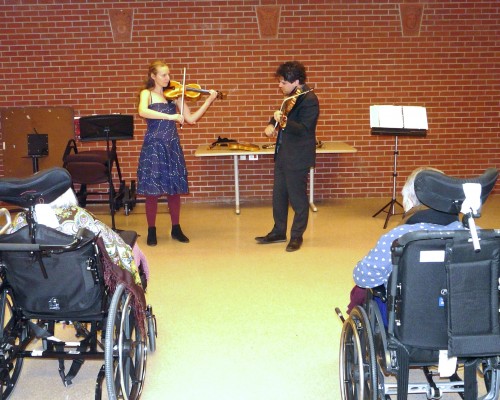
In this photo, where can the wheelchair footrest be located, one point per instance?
(425, 388)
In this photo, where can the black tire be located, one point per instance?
(358, 364)
(151, 326)
(10, 332)
(125, 350)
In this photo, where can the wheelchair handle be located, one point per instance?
(36, 247)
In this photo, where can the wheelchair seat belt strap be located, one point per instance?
(75, 365)
(73, 370)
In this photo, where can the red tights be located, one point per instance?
(174, 206)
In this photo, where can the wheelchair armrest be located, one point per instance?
(70, 146)
(380, 292)
(129, 237)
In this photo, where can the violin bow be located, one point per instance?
(183, 90)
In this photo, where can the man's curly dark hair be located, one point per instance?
(291, 71)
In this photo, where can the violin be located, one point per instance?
(192, 91)
(236, 146)
(287, 105)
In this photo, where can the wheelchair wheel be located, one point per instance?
(125, 349)
(10, 367)
(151, 326)
(358, 372)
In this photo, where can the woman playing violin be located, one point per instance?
(162, 168)
(295, 153)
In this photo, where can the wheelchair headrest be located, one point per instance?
(445, 193)
(41, 188)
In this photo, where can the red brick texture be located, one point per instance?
(69, 53)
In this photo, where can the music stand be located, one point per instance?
(106, 127)
(110, 128)
(38, 147)
(390, 121)
(390, 207)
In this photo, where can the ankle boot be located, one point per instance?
(152, 236)
(178, 235)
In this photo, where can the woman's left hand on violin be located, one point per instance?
(214, 94)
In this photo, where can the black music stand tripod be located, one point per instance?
(390, 207)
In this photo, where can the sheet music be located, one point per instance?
(386, 117)
(415, 117)
(407, 117)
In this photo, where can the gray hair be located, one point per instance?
(410, 199)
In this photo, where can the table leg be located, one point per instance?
(236, 185)
(311, 190)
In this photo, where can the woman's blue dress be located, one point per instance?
(162, 168)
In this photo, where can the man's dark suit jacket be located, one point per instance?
(297, 149)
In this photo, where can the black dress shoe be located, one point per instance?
(294, 244)
(270, 238)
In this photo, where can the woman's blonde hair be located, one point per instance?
(149, 83)
(154, 66)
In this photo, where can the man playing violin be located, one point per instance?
(294, 126)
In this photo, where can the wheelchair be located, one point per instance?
(49, 279)
(438, 317)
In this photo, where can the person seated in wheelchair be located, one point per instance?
(439, 314)
(61, 266)
(64, 215)
(373, 271)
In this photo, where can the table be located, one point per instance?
(326, 148)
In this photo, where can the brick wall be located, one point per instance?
(64, 53)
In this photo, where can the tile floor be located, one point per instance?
(237, 320)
